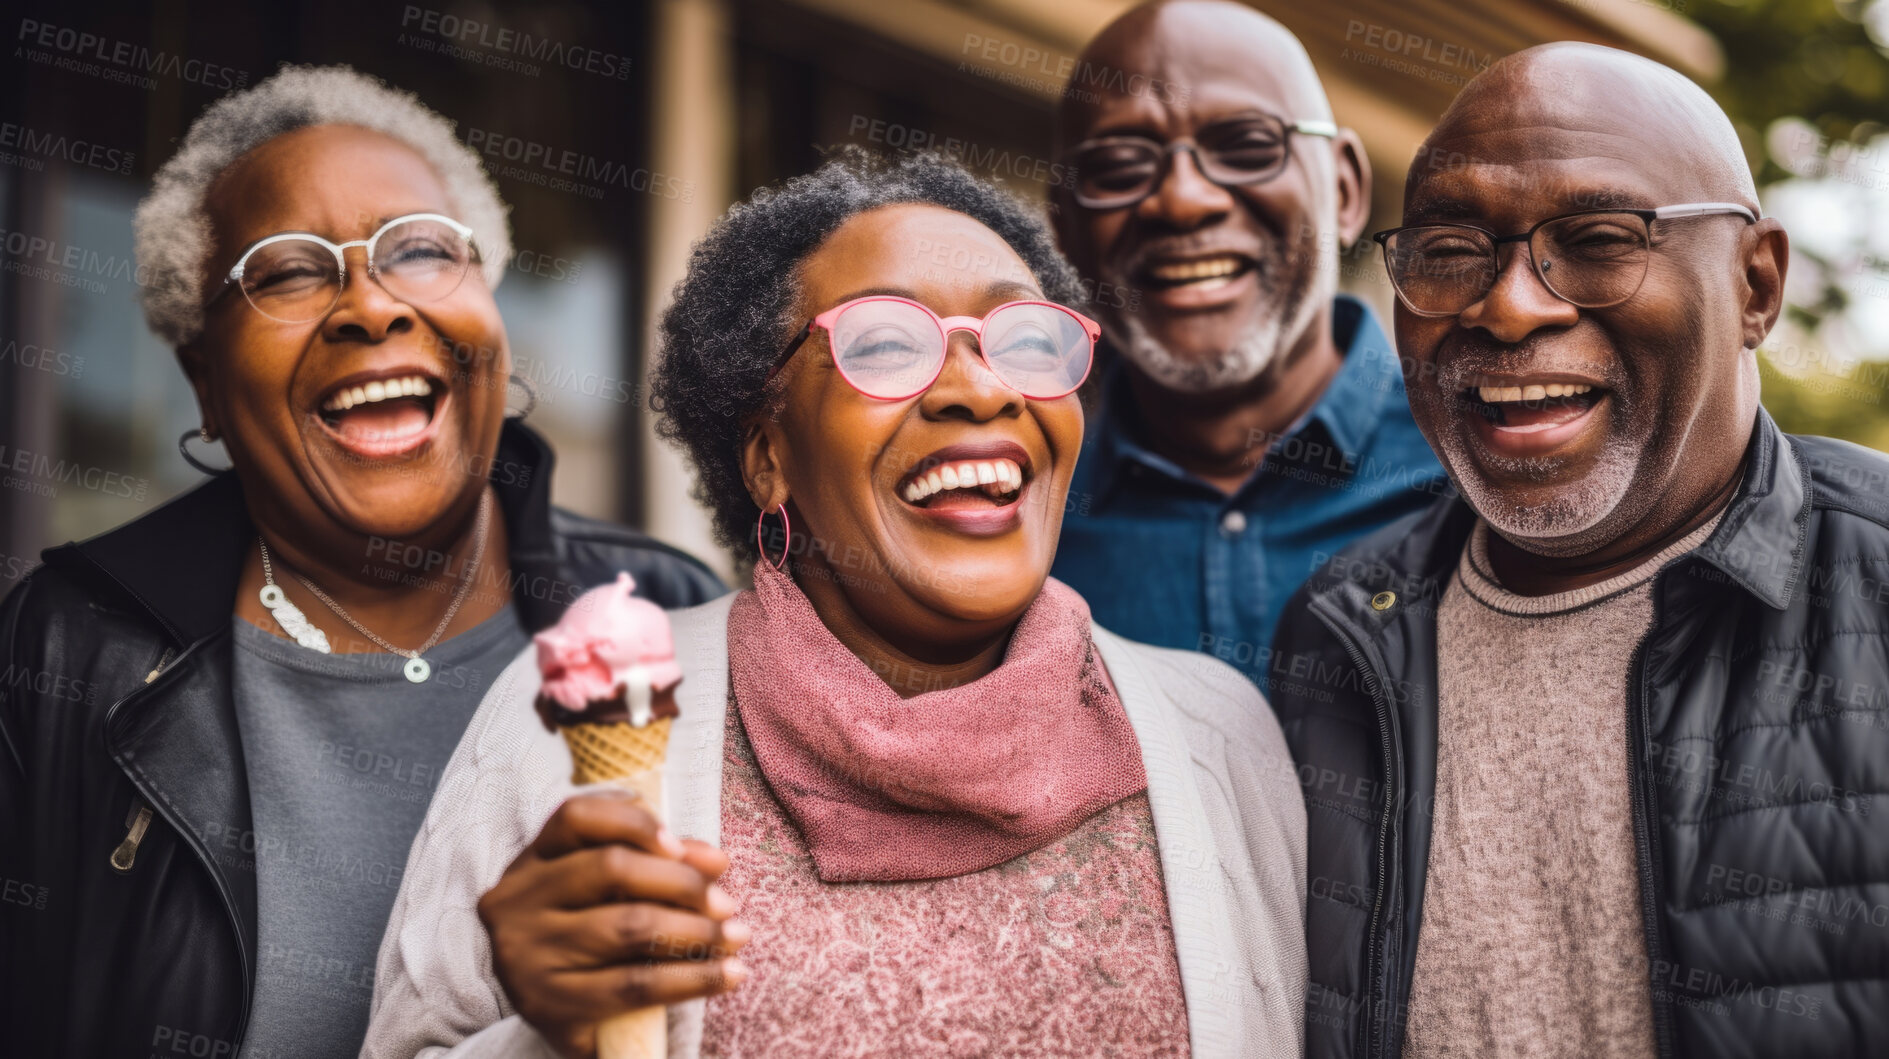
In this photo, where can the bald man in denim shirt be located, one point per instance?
(1253, 422)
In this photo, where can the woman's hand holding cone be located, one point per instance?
(607, 912)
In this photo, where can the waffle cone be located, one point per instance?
(601, 753)
(629, 757)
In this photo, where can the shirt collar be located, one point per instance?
(1352, 407)
(1110, 450)
(1761, 543)
(1350, 410)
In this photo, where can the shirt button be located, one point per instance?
(1232, 524)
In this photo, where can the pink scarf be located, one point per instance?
(944, 783)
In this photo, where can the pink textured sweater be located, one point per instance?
(1064, 951)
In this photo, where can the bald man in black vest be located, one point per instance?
(1590, 752)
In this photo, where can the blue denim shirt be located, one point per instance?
(1166, 558)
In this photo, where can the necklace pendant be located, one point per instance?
(418, 670)
(293, 621)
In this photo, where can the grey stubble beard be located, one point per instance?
(1255, 350)
(1585, 514)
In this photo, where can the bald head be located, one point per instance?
(1230, 247)
(1629, 104)
(1655, 318)
(1180, 48)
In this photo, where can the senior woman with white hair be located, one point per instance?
(236, 707)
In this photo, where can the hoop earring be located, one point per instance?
(183, 447)
(531, 395)
(786, 529)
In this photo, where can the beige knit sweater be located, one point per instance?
(1532, 942)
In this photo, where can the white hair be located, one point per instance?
(173, 228)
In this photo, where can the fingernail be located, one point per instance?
(720, 904)
(733, 971)
(669, 842)
(735, 932)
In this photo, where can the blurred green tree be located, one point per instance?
(1819, 67)
(1812, 59)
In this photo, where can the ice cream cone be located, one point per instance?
(610, 676)
(612, 753)
(639, 1034)
(626, 756)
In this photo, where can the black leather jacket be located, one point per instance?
(124, 805)
(1758, 719)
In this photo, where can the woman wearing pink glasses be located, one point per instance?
(933, 807)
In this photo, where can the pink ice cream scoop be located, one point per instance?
(609, 690)
(610, 658)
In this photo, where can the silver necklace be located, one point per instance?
(297, 625)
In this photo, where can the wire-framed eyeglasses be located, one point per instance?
(1593, 259)
(295, 277)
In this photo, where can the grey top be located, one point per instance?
(343, 753)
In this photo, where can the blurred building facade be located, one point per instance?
(675, 109)
(753, 91)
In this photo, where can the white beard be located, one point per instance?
(1253, 351)
(1233, 368)
(1581, 518)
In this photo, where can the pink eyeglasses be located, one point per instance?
(893, 348)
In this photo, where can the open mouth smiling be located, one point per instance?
(1531, 416)
(382, 414)
(1207, 273)
(973, 488)
(1537, 406)
(952, 483)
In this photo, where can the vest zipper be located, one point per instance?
(138, 820)
(1373, 1044)
(1643, 832)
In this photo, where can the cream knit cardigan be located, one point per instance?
(1227, 810)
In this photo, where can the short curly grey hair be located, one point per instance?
(173, 228)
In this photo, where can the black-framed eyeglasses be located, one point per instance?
(1592, 259)
(295, 277)
(1114, 172)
